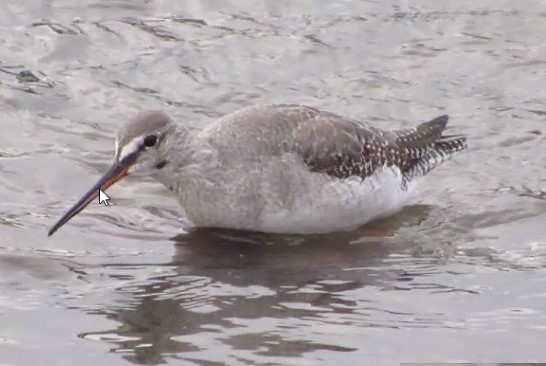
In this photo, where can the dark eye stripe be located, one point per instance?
(150, 140)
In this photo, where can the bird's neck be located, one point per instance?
(190, 160)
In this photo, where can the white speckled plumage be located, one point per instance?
(288, 168)
(278, 168)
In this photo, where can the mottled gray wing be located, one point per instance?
(326, 142)
(343, 148)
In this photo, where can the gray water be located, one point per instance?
(458, 275)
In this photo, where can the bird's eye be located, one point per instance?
(150, 140)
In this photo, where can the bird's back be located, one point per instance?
(328, 143)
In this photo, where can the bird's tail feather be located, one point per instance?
(441, 151)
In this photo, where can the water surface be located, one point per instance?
(459, 275)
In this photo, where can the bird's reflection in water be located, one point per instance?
(228, 290)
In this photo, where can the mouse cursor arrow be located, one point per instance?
(103, 197)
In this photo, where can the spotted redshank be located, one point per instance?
(278, 168)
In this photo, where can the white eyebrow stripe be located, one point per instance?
(131, 147)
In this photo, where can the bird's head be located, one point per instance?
(140, 149)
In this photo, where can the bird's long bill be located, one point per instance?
(118, 170)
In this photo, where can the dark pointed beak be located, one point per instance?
(117, 171)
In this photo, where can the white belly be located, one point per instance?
(284, 197)
(329, 205)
